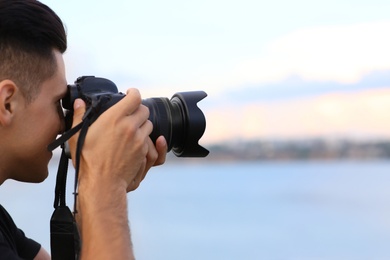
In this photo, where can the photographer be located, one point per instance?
(117, 152)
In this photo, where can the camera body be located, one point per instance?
(179, 119)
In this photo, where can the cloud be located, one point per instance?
(296, 87)
(330, 53)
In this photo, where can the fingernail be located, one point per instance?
(77, 103)
(164, 141)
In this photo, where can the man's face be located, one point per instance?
(37, 125)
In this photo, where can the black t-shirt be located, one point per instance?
(13, 243)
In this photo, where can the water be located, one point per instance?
(297, 210)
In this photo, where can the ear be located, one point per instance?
(8, 90)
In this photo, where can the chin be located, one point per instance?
(34, 176)
(41, 177)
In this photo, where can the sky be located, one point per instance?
(271, 69)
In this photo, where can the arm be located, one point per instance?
(116, 156)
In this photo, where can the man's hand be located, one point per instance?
(116, 155)
(118, 143)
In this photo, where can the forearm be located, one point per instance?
(103, 221)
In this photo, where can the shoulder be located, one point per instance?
(7, 225)
(13, 239)
(4, 215)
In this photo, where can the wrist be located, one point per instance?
(104, 193)
(94, 177)
(101, 194)
(102, 206)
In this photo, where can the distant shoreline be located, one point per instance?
(299, 150)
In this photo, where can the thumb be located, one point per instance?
(78, 111)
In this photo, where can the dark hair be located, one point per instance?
(29, 32)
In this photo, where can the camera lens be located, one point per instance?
(180, 121)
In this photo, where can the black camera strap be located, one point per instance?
(64, 235)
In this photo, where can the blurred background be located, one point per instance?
(272, 69)
(298, 124)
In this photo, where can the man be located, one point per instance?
(32, 83)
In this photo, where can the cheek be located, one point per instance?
(45, 131)
(42, 127)
(53, 127)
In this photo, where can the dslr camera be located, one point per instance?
(179, 119)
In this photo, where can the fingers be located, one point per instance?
(148, 160)
(151, 156)
(129, 104)
(139, 118)
(134, 184)
(161, 147)
(156, 155)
